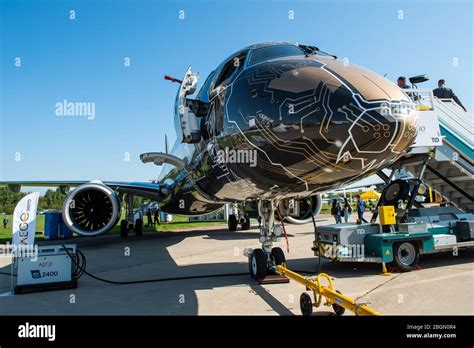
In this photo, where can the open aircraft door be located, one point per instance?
(187, 119)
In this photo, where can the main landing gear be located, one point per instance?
(263, 262)
(238, 217)
(130, 223)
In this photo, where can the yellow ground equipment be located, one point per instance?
(371, 194)
(387, 215)
(334, 298)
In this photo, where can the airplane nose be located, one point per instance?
(322, 120)
(381, 119)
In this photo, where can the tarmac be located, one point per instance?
(444, 284)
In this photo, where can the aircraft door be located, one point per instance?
(186, 119)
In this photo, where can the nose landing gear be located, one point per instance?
(263, 262)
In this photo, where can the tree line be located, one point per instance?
(52, 199)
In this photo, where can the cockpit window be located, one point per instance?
(259, 55)
(231, 67)
(203, 94)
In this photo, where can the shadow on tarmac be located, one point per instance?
(151, 259)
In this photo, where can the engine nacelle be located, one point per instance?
(299, 210)
(91, 209)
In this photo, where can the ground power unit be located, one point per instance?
(47, 268)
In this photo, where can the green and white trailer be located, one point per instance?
(426, 231)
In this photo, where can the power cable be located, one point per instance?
(80, 263)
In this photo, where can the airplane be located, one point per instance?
(273, 126)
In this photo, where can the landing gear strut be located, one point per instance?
(237, 216)
(264, 261)
(130, 223)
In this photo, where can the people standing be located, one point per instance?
(360, 209)
(157, 217)
(402, 82)
(149, 217)
(336, 211)
(443, 92)
(5, 222)
(347, 210)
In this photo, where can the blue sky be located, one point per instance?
(82, 60)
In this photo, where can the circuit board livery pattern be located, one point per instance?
(309, 126)
(315, 124)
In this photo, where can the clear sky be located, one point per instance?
(82, 60)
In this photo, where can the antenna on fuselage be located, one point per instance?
(328, 54)
(313, 49)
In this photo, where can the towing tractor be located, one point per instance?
(396, 241)
(442, 159)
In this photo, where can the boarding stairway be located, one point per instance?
(451, 169)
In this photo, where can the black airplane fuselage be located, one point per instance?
(277, 122)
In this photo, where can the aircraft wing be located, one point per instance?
(144, 189)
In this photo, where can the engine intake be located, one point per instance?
(91, 209)
(300, 210)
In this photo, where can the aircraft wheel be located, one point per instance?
(123, 228)
(138, 227)
(339, 310)
(258, 264)
(246, 224)
(405, 256)
(278, 256)
(306, 304)
(232, 223)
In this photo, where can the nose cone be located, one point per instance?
(382, 119)
(325, 122)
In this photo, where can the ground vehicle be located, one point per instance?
(427, 230)
(443, 161)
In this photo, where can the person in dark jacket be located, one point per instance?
(361, 209)
(156, 217)
(347, 210)
(443, 92)
(149, 218)
(402, 82)
(336, 211)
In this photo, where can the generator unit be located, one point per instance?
(45, 268)
(343, 241)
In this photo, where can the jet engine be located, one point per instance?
(300, 210)
(91, 209)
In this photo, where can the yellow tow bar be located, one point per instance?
(334, 298)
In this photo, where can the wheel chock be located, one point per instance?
(273, 279)
(394, 269)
